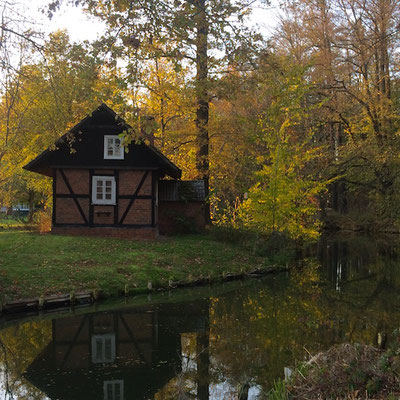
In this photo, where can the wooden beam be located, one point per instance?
(71, 196)
(131, 196)
(116, 177)
(91, 209)
(153, 199)
(53, 216)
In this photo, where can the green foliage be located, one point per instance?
(236, 236)
(39, 103)
(371, 171)
(277, 248)
(182, 223)
(285, 196)
(282, 200)
(279, 391)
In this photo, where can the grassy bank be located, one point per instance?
(32, 264)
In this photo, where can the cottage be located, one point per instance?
(101, 188)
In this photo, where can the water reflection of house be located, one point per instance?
(124, 354)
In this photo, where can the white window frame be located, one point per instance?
(115, 383)
(103, 200)
(102, 359)
(118, 155)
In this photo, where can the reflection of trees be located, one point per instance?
(347, 259)
(5, 370)
(193, 382)
(261, 330)
(258, 332)
(19, 346)
(369, 283)
(369, 305)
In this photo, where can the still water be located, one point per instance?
(223, 342)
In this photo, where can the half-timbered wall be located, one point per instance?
(135, 199)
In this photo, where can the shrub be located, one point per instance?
(42, 219)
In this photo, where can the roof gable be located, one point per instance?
(83, 146)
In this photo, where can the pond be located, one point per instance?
(227, 341)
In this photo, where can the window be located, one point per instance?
(103, 348)
(114, 390)
(113, 148)
(103, 190)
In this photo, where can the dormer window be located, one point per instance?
(113, 148)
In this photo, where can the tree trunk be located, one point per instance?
(202, 161)
(162, 107)
(31, 195)
(203, 358)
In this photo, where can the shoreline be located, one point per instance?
(48, 271)
(58, 302)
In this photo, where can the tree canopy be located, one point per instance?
(300, 125)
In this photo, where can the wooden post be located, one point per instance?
(381, 340)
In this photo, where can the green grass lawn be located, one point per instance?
(12, 223)
(32, 264)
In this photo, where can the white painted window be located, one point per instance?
(103, 348)
(103, 190)
(114, 390)
(113, 148)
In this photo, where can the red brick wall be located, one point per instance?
(140, 212)
(66, 211)
(180, 217)
(77, 178)
(129, 181)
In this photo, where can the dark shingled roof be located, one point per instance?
(87, 143)
(171, 190)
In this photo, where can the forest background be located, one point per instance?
(287, 131)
